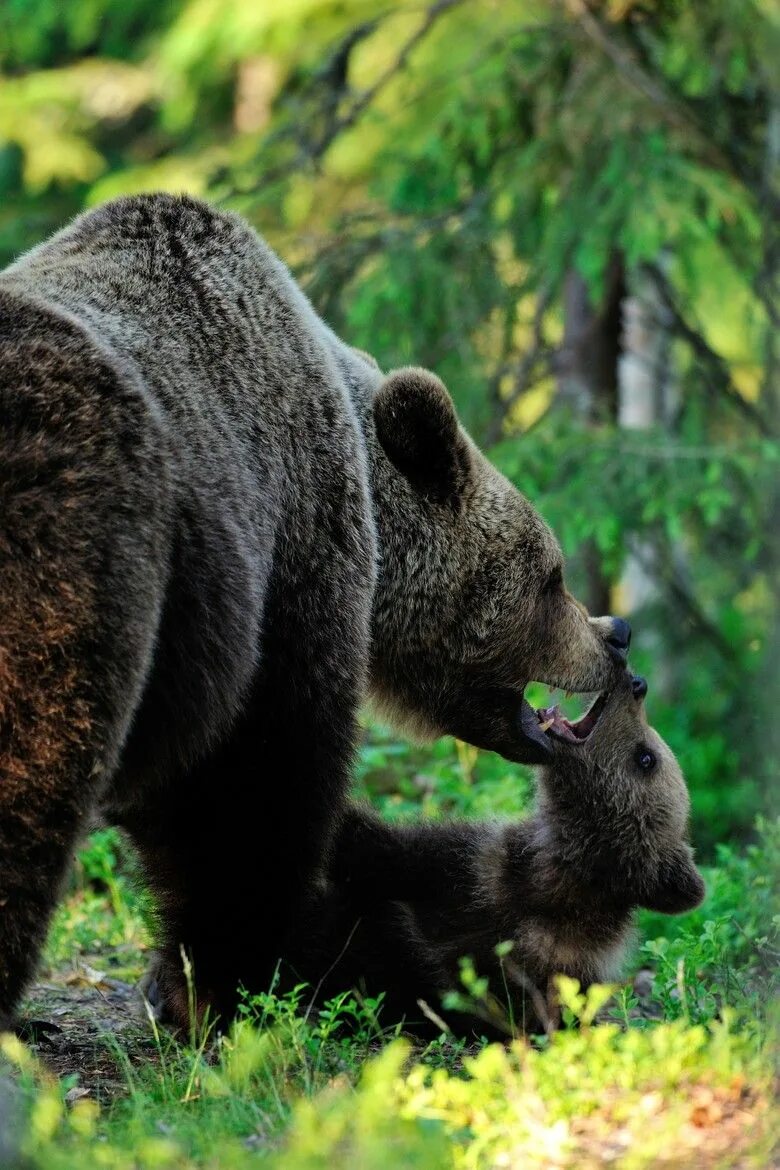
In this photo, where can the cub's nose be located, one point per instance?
(638, 687)
(619, 638)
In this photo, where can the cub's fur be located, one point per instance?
(219, 527)
(404, 904)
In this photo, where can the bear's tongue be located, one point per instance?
(553, 722)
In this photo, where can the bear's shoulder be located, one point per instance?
(173, 264)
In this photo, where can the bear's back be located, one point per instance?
(239, 370)
(191, 297)
(246, 397)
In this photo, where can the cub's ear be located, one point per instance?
(679, 885)
(417, 427)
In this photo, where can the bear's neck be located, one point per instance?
(533, 890)
(578, 857)
(411, 540)
(414, 614)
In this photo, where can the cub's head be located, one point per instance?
(614, 798)
(471, 603)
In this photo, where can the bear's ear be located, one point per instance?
(678, 886)
(417, 428)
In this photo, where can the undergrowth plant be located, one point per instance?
(671, 1095)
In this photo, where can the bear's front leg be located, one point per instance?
(232, 855)
(235, 846)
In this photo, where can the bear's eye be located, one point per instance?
(554, 582)
(645, 759)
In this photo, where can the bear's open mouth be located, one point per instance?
(553, 722)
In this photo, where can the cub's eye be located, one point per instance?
(645, 760)
(554, 582)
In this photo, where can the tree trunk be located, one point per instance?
(588, 382)
(647, 398)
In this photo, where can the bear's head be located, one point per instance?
(615, 804)
(471, 604)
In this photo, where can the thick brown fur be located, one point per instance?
(405, 903)
(219, 528)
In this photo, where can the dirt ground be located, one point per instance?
(102, 1027)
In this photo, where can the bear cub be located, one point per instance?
(404, 904)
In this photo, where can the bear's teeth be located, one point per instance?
(546, 725)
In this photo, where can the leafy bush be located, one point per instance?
(106, 912)
(727, 952)
(674, 1094)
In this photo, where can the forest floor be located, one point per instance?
(702, 1120)
(101, 1029)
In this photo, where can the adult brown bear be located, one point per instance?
(219, 527)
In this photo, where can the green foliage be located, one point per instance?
(447, 778)
(651, 1092)
(107, 913)
(712, 498)
(727, 951)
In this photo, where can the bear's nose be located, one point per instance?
(619, 638)
(638, 687)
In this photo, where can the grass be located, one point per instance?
(680, 1075)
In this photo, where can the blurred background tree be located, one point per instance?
(569, 209)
